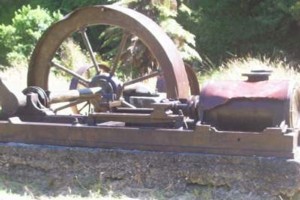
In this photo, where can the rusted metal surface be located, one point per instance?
(250, 105)
(193, 80)
(201, 140)
(160, 45)
(192, 77)
(216, 93)
(157, 117)
(9, 101)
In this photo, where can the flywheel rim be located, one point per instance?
(156, 40)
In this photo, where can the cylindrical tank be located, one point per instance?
(250, 105)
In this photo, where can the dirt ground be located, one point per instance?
(53, 171)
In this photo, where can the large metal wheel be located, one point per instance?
(131, 22)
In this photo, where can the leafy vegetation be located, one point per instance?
(21, 35)
(235, 28)
(164, 12)
(136, 59)
(217, 30)
(27, 26)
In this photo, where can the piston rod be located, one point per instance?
(72, 95)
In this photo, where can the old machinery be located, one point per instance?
(255, 117)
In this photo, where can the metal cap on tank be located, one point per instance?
(258, 75)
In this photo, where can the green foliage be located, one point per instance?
(295, 11)
(238, 27)
(136, 59)
(19, 38)
(66, 6)
(8, 7)
(164, 12)
(223, 29)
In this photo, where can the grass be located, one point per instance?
(233, 69)
(11, 189)
(4, 195)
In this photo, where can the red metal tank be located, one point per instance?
(250, 105)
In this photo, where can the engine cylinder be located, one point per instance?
(250, 105)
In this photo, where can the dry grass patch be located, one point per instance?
(5, 195)
(233, 69)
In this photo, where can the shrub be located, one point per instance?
(164, 12)
(234, 28)
(20, 37)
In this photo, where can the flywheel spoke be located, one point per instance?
(122, 45)
(126, 104)
(81, 79)
(67, 105)
(140, 79)
(89, 48)
(84, 106)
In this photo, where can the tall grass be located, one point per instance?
(232, 69)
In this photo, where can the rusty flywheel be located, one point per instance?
(132, 22)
